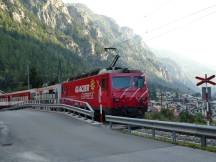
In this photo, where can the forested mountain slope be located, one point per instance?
(60, 40)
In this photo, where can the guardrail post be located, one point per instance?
(73, 113)
(203, 141)
(174, 137)
(153, 133)
(110, 125)
(129, 128)
(85, 117)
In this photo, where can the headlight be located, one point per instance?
(116, 99)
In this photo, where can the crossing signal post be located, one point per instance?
(206, 80)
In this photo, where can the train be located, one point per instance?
(38, 94)
(119, 91)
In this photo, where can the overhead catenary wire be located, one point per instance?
(161, 6)
(176, 28)
(147, 48)
(182, 18)
(171, 22)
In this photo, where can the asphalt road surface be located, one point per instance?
(51, 137)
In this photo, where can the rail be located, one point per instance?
(202, 131)
(56, 105)
(81, 103)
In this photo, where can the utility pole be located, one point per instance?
(167, 106)
(161, 98)
(59, 71)
(207, 102)
(28, 76)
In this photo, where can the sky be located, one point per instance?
(185, 27)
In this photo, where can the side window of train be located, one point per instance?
(104, 83)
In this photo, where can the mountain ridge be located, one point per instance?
(82, 35)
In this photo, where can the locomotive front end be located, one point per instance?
(129, 94)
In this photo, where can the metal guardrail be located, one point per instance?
(201, 131)
(54, 105)
(77, 101)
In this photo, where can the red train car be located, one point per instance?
(4, 101)
(45, 94)
(20, 96)
(13, 98)
(123, 92)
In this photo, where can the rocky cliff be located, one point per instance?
(82, 36)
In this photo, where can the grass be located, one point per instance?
(213, 123)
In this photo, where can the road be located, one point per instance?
(50, 137)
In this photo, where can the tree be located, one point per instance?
(35, 78)
(185, 116)
(199, 119)
(168, 114)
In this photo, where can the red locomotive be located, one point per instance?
(122, 93)
(117, 91)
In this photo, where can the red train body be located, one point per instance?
(13, 98)
(42, 94)
(122, 93)
(118, 91)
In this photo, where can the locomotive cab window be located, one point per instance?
(121, 82)
(139, 81)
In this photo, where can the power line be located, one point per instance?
(181, 26)
(174, 21)
(158, 8)
(182, 18)
(147, 48)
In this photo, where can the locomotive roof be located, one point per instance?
(104, 71)
(10, 93)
